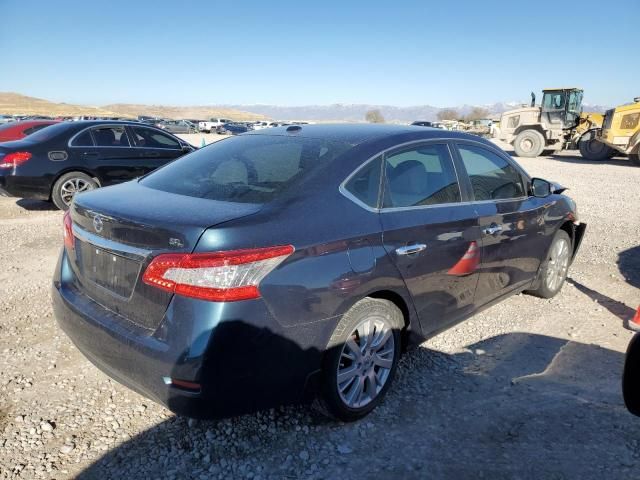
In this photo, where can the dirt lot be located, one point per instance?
(529, 389)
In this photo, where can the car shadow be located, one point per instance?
(616, 307)
(36, 205)
(512, 406)
(578, 159)
(629, 265)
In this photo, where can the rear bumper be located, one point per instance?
(241, 365)
(23, 187)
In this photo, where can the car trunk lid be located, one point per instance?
(118, 230)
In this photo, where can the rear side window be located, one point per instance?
(150, 138)
(492, 177)
(419, 176)
(83, 140)
(114, 136)
(365, 184)
(245, 169)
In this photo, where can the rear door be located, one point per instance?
(511, 223)
(430, 231)
(154, 148)
(106, 150)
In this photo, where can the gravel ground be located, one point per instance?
(527, 389)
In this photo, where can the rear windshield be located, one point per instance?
(245, 169)
(49, 132)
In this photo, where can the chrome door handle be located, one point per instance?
(492, 229)
(409, 249)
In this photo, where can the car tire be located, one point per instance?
(529, 143)
(554, 269)
(358, 372)
(68, 185)
(591, 149)
(635, 158)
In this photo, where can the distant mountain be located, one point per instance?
(17, 104)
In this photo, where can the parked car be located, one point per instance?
(213, 125)
(235, 128)
(6, 119)
(422, 123)
(208, 287)
(17, 130)
(178, 126)
(61, 160)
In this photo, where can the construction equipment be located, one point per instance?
(557, 124)
(620, 133)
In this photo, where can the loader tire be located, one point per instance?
(592, 149)
(635, 158)
(529, 143)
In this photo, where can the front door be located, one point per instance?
(154, 148)
(510, 222)
(430, 233)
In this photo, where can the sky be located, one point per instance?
(192, 52)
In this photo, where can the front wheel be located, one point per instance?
(68, 185)
(553, 271)
(361, 359)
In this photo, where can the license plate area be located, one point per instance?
(112, 272)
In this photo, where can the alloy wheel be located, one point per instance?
(365, 362)
(558, 264)
(73, 186)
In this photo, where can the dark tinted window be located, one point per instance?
(492, 177)
(52, 131)
(150, 138)
(248, 169)
(34, 129)
(113, 136)
(83, 140)
(365, 184)
(422, 175)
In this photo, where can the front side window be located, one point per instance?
(492, 177)
(575, 102)
(150, 138)
(113, 136)
(418, 176)
(553, 101)
(365, 184)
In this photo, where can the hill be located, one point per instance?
(16, 104)
(195, 112)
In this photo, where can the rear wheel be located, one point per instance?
(68, 185)
(529, 143)
(553, 271)
(635, 158)
(361, 359)
(592, 149)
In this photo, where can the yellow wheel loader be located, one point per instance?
(557, 124)
(620, 133)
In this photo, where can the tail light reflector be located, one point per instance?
(219, 276)
(14, 159)
(68, 230)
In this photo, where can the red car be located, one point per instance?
(17, 130)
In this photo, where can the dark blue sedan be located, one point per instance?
(299, 262)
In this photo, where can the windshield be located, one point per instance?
(245, 169)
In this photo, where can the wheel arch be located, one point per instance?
(410, 322)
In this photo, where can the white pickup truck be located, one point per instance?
(213, 125)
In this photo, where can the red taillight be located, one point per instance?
(68, 230)
(14, 159)
(219, 276)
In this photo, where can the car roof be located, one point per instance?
(357, 133)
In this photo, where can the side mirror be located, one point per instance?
(187, 148)
(540, 188)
